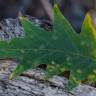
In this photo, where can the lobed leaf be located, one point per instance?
(61, 50)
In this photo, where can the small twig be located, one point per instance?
(48, 8)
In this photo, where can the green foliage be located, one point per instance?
(62, 49)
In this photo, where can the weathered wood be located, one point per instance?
(31, 83)
(9, 29)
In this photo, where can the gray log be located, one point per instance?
(31, 83)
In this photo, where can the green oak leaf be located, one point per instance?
(61, 50)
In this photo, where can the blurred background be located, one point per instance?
(73, 10)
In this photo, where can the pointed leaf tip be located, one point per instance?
(11, 76)
(91, 20)
(55, 8)
(21, 18)
(88, 26)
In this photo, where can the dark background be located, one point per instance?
(73, 10)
